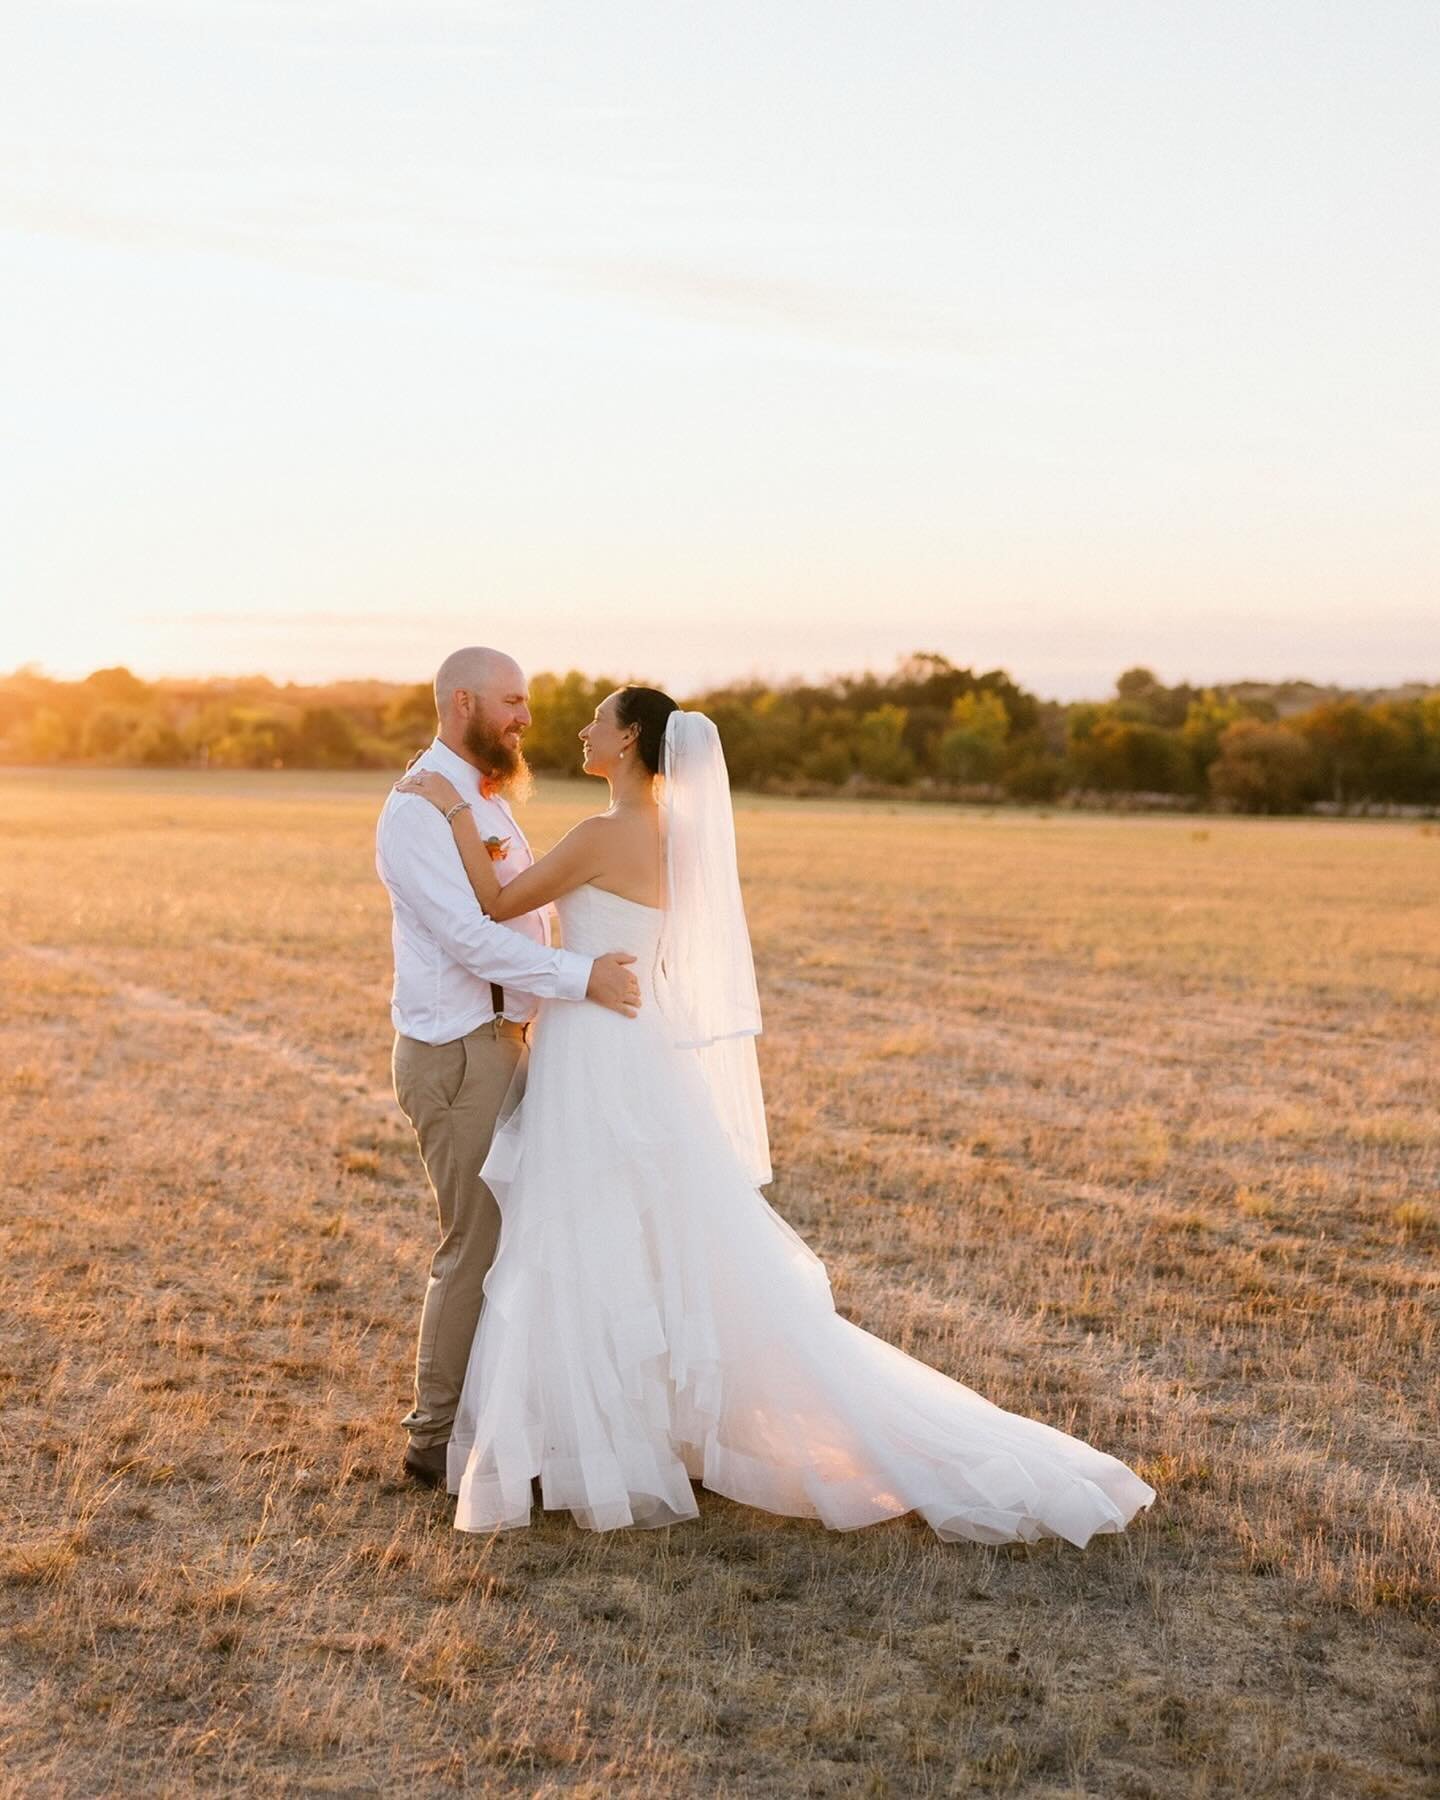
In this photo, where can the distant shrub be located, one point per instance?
(109, 733)
(1035, 775)
(880, 747)
(972, 746)
(47, 737)
(830, 762)
(328, 739)
(1206, 720)
(1262, 768)
(157, 745)
(409, 719)
(118, 686)
(1119, 756)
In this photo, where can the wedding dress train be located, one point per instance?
(650, 1318)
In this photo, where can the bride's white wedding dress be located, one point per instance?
(650, 1318)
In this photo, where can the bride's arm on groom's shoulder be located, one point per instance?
(415, 857)
(430, 785)
(479, 869)
(442, 794)
(573, 860)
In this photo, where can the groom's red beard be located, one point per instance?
(504, 763)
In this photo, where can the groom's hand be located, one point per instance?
(612, 984)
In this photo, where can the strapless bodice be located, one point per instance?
(596, 921)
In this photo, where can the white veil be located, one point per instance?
(705, 973)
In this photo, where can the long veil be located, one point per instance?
(705, 972)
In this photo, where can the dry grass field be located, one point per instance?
(1131, 1124)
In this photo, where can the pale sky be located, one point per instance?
(689, 341)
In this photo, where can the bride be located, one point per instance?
(649, 1319)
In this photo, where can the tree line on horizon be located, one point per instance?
(928, 728)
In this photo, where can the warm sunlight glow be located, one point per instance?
(706, 341)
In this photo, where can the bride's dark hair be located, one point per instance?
(650, 710)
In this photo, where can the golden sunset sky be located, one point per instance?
(689, 340)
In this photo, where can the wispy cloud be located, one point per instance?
(345, 28)
(820, 312)
(339, 12)
(423, 248)
(287, 620)
(277, 238)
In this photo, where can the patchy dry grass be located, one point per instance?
(1132, 1127)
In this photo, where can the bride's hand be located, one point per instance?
(431, 786)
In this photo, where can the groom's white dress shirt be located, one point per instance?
(447, 951)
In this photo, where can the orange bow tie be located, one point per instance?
(489, 787)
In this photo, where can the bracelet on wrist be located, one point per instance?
(459, 806)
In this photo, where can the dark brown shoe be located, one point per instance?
(426, 1467)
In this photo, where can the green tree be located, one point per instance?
(251, 737)
(328, 739)
(1397, 759)
(1081, 720)
(783, 734)
(972, 746)
(48, 737)
(831, 761)
(765, 732)
(740, 735)
(409, 719)
(1034, 775)
(156, 745)
(1263, 768)
(1119, 756)
(1142, 697)
(118, 686)
(110, 731)
(1351, 746)
(880, 747)
(1206, 720)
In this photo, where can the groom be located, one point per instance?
(464, 991)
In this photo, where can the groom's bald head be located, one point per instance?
(483, 709)
(475, 670)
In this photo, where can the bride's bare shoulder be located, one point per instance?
(625, 848)
(597, 831)
(623, 824)
(590, 827)
(609, 835)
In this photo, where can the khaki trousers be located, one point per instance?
(452, 1094)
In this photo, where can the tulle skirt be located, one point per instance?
(650, 1320)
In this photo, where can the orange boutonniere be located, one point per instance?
(497, 848)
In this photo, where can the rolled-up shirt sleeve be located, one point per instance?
(422, 868)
